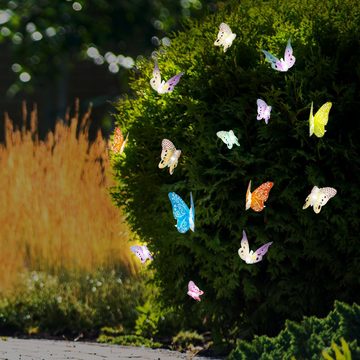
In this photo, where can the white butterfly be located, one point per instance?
(251, 257)
(142, 252)
(319, 197)
(225, 37)
(169, 155)
(281, 65)
(162, 87)
(264, 110)
(228, 137)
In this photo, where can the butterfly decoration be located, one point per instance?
(184, 216)
(194, 291)
(169, 155)
(249, 256)
(228, 137)
(317, 123)
(263, 110)
(118, 144)
(257, 198)
(281, 65)
(142, 252)
(162, 87)
(225, 37)
(319, 197)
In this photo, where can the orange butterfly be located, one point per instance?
(118, 144)
(256, 199)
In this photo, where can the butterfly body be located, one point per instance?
(162, 86)
(283, 64)
(142, 252)
(184, 215)
(194, 291)
(118, 144)
(317, 123)
(256, 199)
(264, 110)
(319, 197)
(228, 137)
(250, 256)
(225, 37)
(169, 155)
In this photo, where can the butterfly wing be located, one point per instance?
(260, 252)
(260, 195)
(310, 200)
(192, 213)
(321, 118)
(155, 81)
(118, 141)
(311, 120)
(244, 247)
(233, 139)
(324, 195)
(289, 58)
(174, 161)
(194, 291)
(138, 251)
(146, 252)
(181, 212)
(224, 136)
(248, 197)
(170, 84)
(273, 60)
(124, 144)
(168, 149)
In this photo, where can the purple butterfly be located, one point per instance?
(264, 110)
(194, 291)
(251, 257)
(142, 252)
(162, 87)
(281, 65)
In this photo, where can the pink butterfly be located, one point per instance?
(264, 110)
(162, 87)
(249, 256)
(281, 65)
(142, 252)
(194, 291)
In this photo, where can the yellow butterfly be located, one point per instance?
(317, 123)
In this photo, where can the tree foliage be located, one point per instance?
(314, 259)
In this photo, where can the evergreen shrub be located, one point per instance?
(314, 259)
(308, 339)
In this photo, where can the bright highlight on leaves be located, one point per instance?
(319, 197)
(142, 252)
(257, 198)
(249, 256)
(228, 137)
(169, 155)
(184, 216)
(263, 110)
(162, 87)
(194, 291)
(118, 144)
(317, 123)
(281, 65)
(225, 37)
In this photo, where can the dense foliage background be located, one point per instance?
(314, 258)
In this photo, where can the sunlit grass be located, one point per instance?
(55, 211)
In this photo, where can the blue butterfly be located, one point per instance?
(185, 217)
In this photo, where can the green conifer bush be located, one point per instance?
(314, 258)
(306, 340)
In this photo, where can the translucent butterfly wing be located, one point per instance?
(263, 110)
(225, 37)
(192, 213)
(194, 291)
(321, 118)
(141, 252)
(311, 120)
(155, 82)
(260, 195)
(273, 60)
(118, 144)
(288, 56)
(244, 248)
(260, 252)
(319, 197)
(181, 212)
(168, 149)
(228, 137)
(171, 83)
